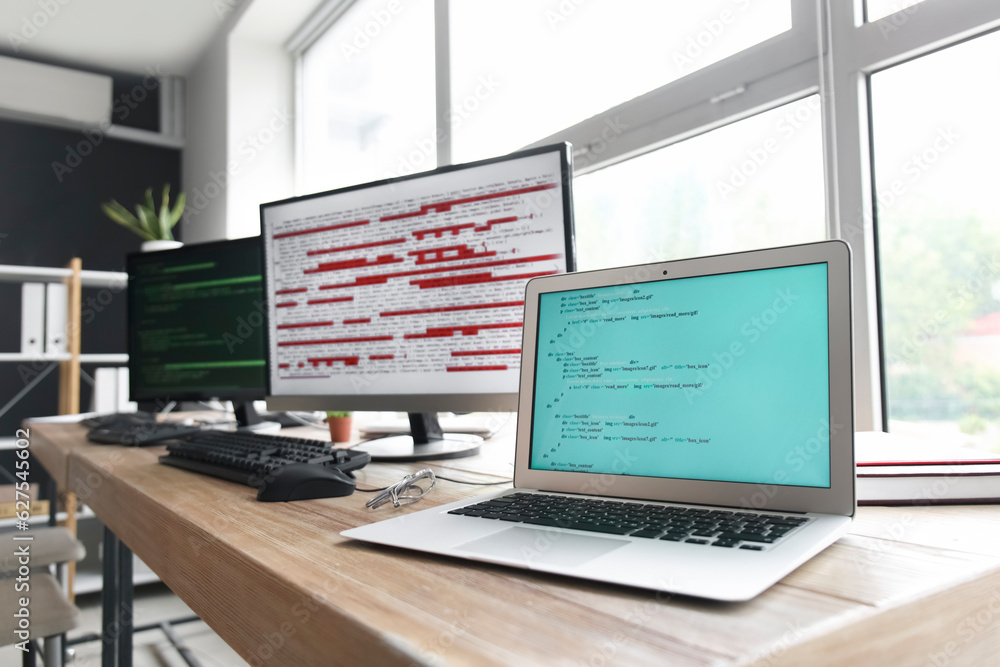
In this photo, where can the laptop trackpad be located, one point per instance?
(546, 547)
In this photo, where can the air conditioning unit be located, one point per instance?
(45, 93)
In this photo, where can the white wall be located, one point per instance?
(261, 131)
(240, 145)
(205, 145)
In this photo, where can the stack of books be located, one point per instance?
(897, 470)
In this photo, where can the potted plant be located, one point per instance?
(340, 426)
(154, 227)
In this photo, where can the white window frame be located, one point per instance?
(829, 50)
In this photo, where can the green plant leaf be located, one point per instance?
(147, 222)
(178, 210)
(165, 223)
(124, 217)
(148, 219)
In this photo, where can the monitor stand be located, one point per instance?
(247, 419)
(426, 443)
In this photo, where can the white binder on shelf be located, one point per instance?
(32, 318)
(55, 318)
(124, 405)
(106, 390)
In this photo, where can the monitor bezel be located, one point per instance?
(485, 402)
(244, 394)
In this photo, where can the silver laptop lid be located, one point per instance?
(722, 380)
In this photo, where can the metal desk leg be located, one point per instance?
(117, 596)
(110, 601)
(126, 597)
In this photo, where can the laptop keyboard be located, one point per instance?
(718, 528)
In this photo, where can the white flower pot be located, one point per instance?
(152, 246)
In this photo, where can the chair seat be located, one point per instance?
(50, 613)
(47, 545)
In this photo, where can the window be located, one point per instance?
(671, 107)
(367, 96)
(879, 9)
(522, 70)
(935, 144)
(763, 187)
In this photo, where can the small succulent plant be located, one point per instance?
(147, 222)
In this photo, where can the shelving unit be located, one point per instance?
(75, 279)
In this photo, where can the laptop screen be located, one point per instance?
(721, 377)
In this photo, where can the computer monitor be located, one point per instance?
(196, 325)
(408, 294)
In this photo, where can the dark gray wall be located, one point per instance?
(52, 182)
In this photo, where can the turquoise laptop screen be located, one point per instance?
(722, 378)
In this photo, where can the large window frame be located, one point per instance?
(831, 50)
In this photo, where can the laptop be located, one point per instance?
(685, 427)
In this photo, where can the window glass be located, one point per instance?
(368, 96)
(877, 9)
(935, 141)
(751, 184)
(523, 70)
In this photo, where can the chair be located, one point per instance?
(34, 602)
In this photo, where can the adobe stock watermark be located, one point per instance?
(363, 35)
(757, 157)
(596, 147)
(794, 633)
(752, 330)
(437, 649)
(562, 12)
(245, 327)
(121, 109)
(547, 537)
(637, 620)
(32, 25)
(708, 33)
(929, 327)
(95, 304)
(890, 537)
(224, 7)
(299, 616)
(248, 150)
(797, 458)
(901, 13)
(914, 168)
(972, 626)
(425, 149)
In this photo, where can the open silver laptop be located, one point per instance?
(684, 426)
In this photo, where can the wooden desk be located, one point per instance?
(907, 586)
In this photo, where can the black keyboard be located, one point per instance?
(137, 431)
(279, 467)
(675, 523)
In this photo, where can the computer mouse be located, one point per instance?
(303, 481)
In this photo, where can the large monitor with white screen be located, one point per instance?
(408, 294)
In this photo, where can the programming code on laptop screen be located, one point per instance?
(722, 378)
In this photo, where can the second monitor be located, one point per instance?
(195, 326)
(407, 294)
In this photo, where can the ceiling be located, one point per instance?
(123, 35)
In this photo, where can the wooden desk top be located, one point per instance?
(907, 586)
